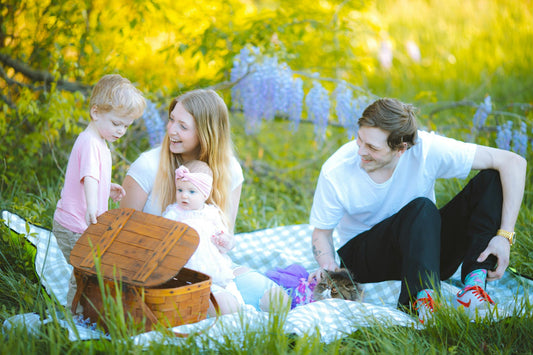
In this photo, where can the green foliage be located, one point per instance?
(40, 125)
(21, 288)
(16, 253)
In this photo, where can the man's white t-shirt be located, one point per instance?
(348, 200)
(144, 170)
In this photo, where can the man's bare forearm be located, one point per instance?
(323, 249)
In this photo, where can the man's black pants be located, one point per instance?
(421, 245)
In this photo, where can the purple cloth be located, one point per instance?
(293, 279)
(288, 277)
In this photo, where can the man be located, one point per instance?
(378, 192)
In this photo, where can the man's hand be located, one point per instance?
(116, 192)
(317, 275)
(500, 248)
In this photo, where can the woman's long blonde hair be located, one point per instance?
(212, 123)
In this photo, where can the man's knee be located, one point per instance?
(489, 176)
(423, 214)
(423, 207)
(487, 183)
(424, 221)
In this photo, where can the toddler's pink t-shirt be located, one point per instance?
(90, 156)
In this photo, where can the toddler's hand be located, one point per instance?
(90, 217)
(116, 192)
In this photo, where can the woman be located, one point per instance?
(198, 129)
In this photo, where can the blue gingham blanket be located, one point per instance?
(263, 250)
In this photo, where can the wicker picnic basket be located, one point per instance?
(142, 256)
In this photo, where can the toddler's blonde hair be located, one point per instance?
(116, 93)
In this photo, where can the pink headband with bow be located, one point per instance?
(202, 181)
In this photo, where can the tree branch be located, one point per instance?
(467, 103)
(452, 105)
(334, 80)
(41, 75)
(229, 84)
(11, 81)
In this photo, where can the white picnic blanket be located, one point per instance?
(264, 250)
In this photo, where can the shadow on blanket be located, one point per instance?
(265, 250)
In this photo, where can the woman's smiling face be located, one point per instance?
(182, 132)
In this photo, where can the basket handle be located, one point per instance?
(217, 312)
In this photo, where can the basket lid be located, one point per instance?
(139, 248)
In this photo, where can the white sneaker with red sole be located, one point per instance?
(425, 307)
(474, 300)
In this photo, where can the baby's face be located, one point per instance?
(188, 196)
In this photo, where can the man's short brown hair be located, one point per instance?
(393, 116)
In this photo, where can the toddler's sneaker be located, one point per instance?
(474, 300)
(425, 306)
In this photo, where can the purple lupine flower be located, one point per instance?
(318, 104)
(154, 123)
(246, 92)
(242, 64)
(504, 135)
(282, 94)
(346, 108)
(482, 112)
(268, 71)
(359, 105)
(261, 93)
(343, 104)
(252, 103)
(296, 99)
(520, 139)
(268, 90)
(265, 88)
